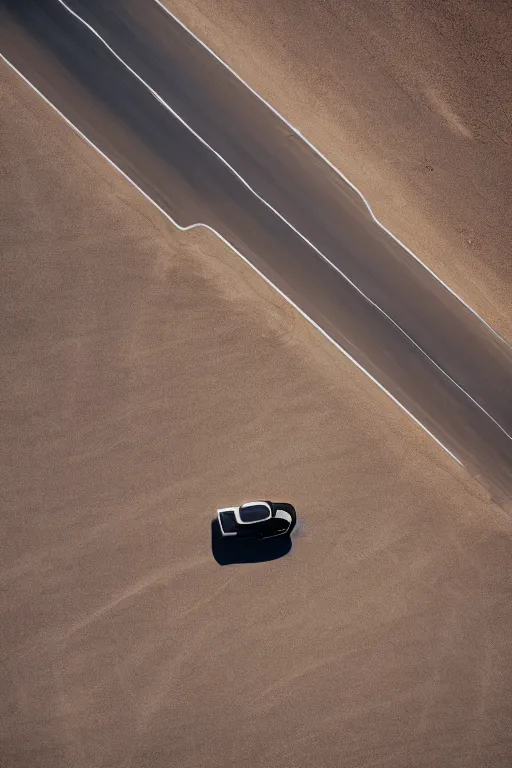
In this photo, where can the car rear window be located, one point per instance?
(228, 522)
(254, 513)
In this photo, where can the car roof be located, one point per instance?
(254, 512)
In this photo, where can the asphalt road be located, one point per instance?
(294, 217)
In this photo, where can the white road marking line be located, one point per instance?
(280, 216)
(334, 168)
(244, 259)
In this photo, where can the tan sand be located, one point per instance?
(411, 100)
(149, 376)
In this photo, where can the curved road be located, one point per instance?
(207, 150)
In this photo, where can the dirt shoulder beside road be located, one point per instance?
(150, 376)
(411, 102)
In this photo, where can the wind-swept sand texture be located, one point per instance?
(412, 100)
(149, 376)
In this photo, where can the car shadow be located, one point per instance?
(231, 551)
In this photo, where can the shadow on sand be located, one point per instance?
(228, 551)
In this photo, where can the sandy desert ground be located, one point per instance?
(149, 376)
(412, 100)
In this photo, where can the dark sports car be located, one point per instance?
(257, 520)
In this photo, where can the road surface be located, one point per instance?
(208, 151)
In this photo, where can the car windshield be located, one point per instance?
(253, 513)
